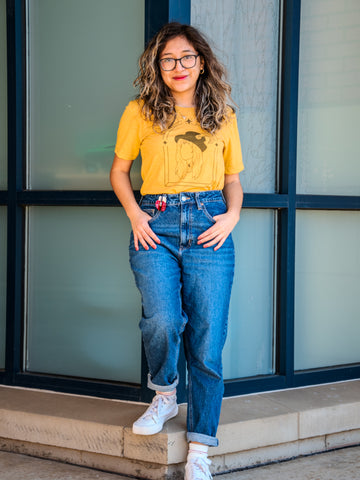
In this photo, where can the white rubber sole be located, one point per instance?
(151, 430)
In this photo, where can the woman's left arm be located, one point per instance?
(225, 223)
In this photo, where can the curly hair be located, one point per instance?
(212, 91)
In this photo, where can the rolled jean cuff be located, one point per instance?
(161, 388)
(201, 438)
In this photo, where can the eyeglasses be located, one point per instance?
(168, 64)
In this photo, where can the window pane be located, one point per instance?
(3, 266)
(244, 34)
(83, 306)
(329, 98)
(327, 295)
(249, 346)
(3, 97)
(82, 62)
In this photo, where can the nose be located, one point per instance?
(178, 65)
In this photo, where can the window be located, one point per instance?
(73, 317)
(327, 299)
(242, 38)
(82, 308)
(329, 99)
(82, 302)
(327, 306)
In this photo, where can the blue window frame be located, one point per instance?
(285, 201)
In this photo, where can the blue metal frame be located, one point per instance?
(14, 299)
(108, 198)
(251, 200)
(287, 185)
(159, 12)
(156, 14)
(180, 11)
(327, 202)
(286, 202)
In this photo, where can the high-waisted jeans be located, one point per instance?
(185, 289)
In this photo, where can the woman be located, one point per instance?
(181, 250)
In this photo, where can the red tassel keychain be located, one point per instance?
(160, 203)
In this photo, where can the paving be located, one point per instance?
(336, 465)
(341, 464)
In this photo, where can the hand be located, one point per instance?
(142, 231)
(218, 233)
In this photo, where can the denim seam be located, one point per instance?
(190, 409)
(205, 211)
(207, 214)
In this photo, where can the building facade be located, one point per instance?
(69, 309)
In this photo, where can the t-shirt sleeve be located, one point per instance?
(232, 150)
(128, 136)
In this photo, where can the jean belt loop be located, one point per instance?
(197, 200)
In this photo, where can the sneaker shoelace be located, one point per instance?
(154, 409)
(200, 465)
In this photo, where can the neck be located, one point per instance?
(183, 100)
(184, 106)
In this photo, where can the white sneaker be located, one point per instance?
(162, 408)
(197, 468)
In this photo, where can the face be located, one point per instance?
(181, 81)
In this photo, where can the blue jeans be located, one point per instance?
(185, 289)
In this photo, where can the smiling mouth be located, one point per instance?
(180, 78)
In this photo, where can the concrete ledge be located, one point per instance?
(254, 429)
(120, 465)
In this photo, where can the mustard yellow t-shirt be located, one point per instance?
(183, 158)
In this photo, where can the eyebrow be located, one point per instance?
(183, 51)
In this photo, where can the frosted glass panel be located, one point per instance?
(3, 97)
(327, 296)
(3, 265)
(83, 306)
(249, 345)
(82, 62)
(329, 98)
(244, 34)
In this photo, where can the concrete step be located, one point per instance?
(335, 465)
(254, 429)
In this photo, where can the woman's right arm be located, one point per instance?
(121, 183)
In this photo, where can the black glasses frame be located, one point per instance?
(178, 60)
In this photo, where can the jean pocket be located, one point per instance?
(211, 209)
(152, 211)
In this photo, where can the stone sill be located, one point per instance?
(254, 429)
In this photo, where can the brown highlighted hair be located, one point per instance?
(212, 91)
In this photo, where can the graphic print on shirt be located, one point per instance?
(190, 156)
